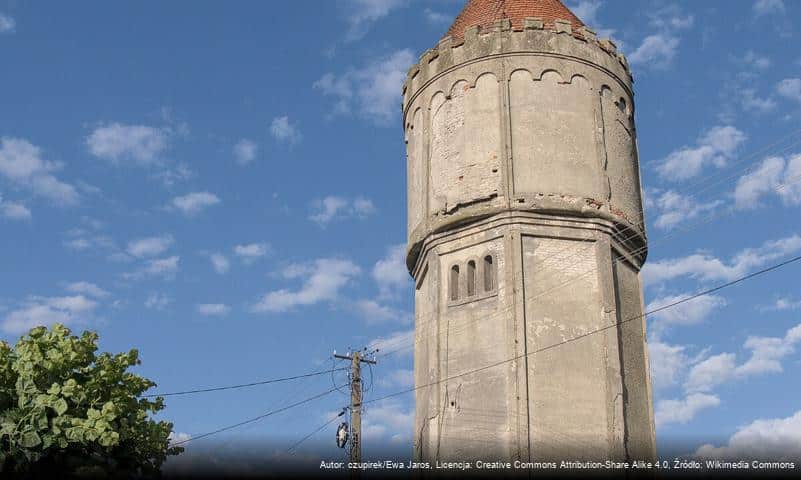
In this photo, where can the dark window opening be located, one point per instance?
(454, 284)
(489, 274)
(471, 278)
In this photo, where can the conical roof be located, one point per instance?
(486, 12)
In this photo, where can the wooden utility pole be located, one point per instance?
(355, 405)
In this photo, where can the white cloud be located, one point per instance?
(390, 273)
(401, 342)
(756, 61)
(220, 263)
(194, 203)
(78, 243)
(705, 267)
(436, 18)
(245, 151)
(327, 209)
(46, 311)
(388, 421)
(670, 17)
(251, 252)
(768, 7)
(752, 186)
(790, 189)
(80, 239)
(7, 24)
(213, 309)
(158, 301)
(362, 207)
(714, 147)
(324, 278)
(783, 304)
(282, 130)
(172, 175)
(766, 356)
(135, 144)
(657, 51)
(674, 208)
(587, 12)
(165, 267)
(683, 410)
(692, 312)
(668, 363)
(711, 372)
(790, 88)
(362, 14)
(21, 163)
(374, 312)
(400, 378)
(149, 246)
(333, 207)
(14, 210)
(753, 104)
(374, 91)
(776, 439)
(86, 288)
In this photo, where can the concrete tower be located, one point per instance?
(525, 231)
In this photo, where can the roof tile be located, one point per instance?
(484, 13)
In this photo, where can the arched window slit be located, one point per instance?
(454, 282)
(471, 278)
(489, 274)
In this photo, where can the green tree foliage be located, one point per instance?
(65, 408)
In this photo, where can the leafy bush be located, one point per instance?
(66, 409)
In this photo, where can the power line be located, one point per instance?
(291, 450)
(242, 385)
(592, 332)
(256, 419)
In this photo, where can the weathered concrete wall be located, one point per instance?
(567, 385)
(555, 146)
(638, 407)
(464, 165)
(529, 120)
(556, 279)
(522, 150)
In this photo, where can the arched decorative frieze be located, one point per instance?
(580, 81)
(550, 75)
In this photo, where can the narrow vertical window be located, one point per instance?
(471, 278)
(489, 274)
(454, 283)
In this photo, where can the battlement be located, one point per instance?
(501, 39)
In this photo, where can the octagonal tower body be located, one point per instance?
(525, 240)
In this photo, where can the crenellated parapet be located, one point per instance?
(563, 40)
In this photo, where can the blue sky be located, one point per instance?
(223, 188)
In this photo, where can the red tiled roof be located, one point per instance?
(485, 12)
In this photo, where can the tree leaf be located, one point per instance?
(60, 406)
(109, 438)
(30, 440)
